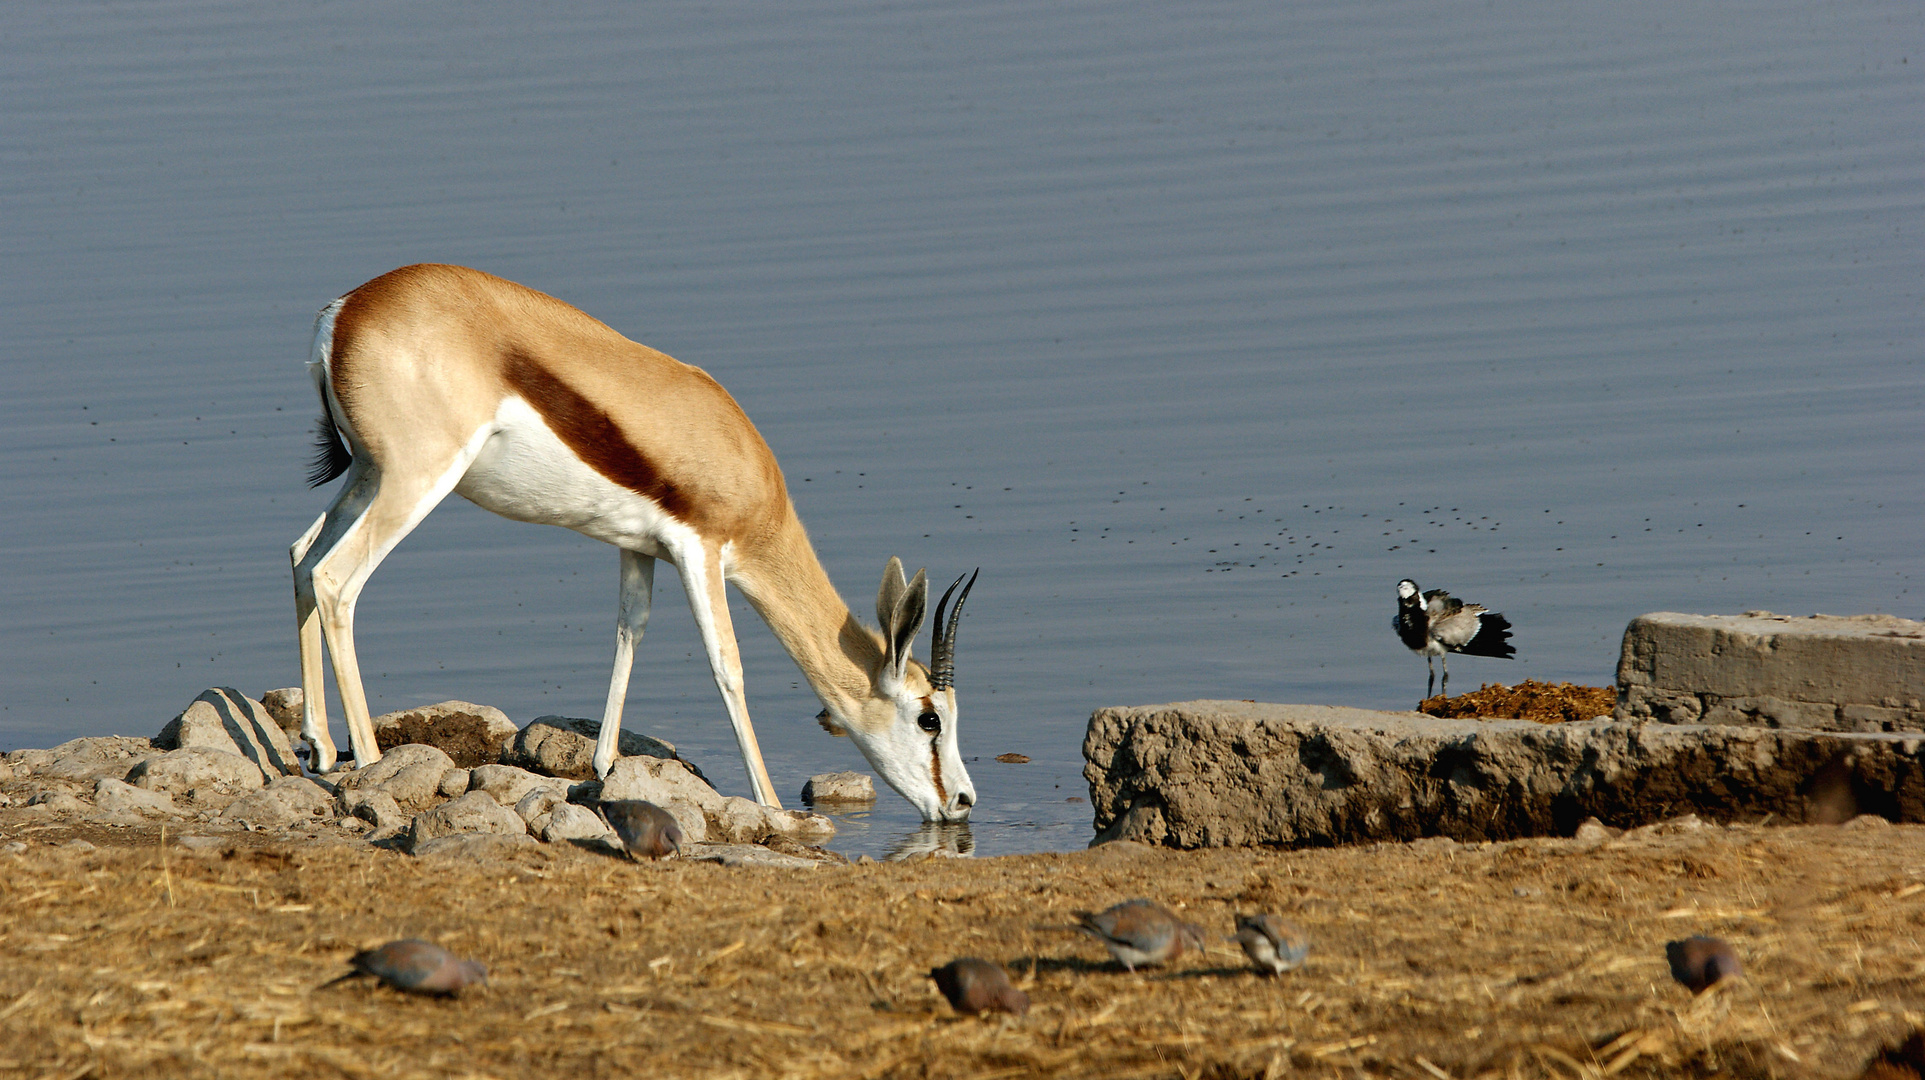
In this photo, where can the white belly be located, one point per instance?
(525, 472)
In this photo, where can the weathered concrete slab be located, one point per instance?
(1231, 773)
(1823, 672)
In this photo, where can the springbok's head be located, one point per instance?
(907, 727)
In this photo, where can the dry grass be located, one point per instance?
(1537, 958)
(1546, 703)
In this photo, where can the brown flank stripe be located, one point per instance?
(590, 433)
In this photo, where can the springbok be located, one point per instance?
(441, 379)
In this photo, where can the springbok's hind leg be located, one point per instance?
(348, 506)
(392, 501)
(637, 593)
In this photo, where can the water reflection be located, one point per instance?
(944, 838)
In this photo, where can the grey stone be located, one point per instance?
(1228, 773)
(476, 847)
(14, 847)
(469, 734)
(1820, 672)
(539, 803)
(454, 783)
(570, 822)
(117, 797)
(203, 845)
(376, 807)
(84, 760)
(225, 719)
(60, 803)
(78, 846)
(284, 803)
(410, 772)
(562, 746)
(506, 784)
(474, 812)
(286, 706)
(658, 780)
(211, 777)
(748, 855)
(839, 787)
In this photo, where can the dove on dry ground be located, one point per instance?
(974, 985)
(416, 966)
(1140, 932)
(1271, 944)
(1699, 962)
(647, 831)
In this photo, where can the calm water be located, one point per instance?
(1195, 327)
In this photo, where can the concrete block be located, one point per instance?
(1819, 672)
(1231, 773)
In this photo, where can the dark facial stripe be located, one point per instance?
(590, 433)
(935, 755)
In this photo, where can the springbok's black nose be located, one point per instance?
(964, 800)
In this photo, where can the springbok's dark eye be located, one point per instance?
(930, 723)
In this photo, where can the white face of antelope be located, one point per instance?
(915, 749)
(908, 728)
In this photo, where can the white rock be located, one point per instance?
(477, 847)
(659, 780)
(288, 801)
(215, 777)
(83, 760)
(411, 773)
(226, 719)
(801, 826)
(116, 797)
(747, 855)
(570, 822)
(740, 821)
(565, 746)
(285, 706)
(839, 787)
(454, 783)
(507, 784)
(376, 807)
(468, 733)
(58, 802)
(538, 803)
(474, 812)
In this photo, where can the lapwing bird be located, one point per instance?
(1438, 624)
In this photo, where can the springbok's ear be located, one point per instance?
(889, 597)
(900, 608)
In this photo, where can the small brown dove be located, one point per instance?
(1700, 962)
(1271, 944)
(977, 986)
(416, 966)
(647, 830)
(1140, 932)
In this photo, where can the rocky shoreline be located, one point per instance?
(453, 778)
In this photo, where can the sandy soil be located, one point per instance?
(1531, 958)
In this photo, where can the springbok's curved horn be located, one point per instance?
(942, 651)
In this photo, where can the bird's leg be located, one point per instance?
(1431, 683)
(1445, 660)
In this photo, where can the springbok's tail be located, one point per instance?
(331, 454)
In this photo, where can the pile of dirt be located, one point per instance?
(1528, 959)
(1545, 703)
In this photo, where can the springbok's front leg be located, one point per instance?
(709, 603)
(637, 593)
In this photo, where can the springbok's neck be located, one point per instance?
(782, 578)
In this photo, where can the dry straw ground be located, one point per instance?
(1528, 959)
